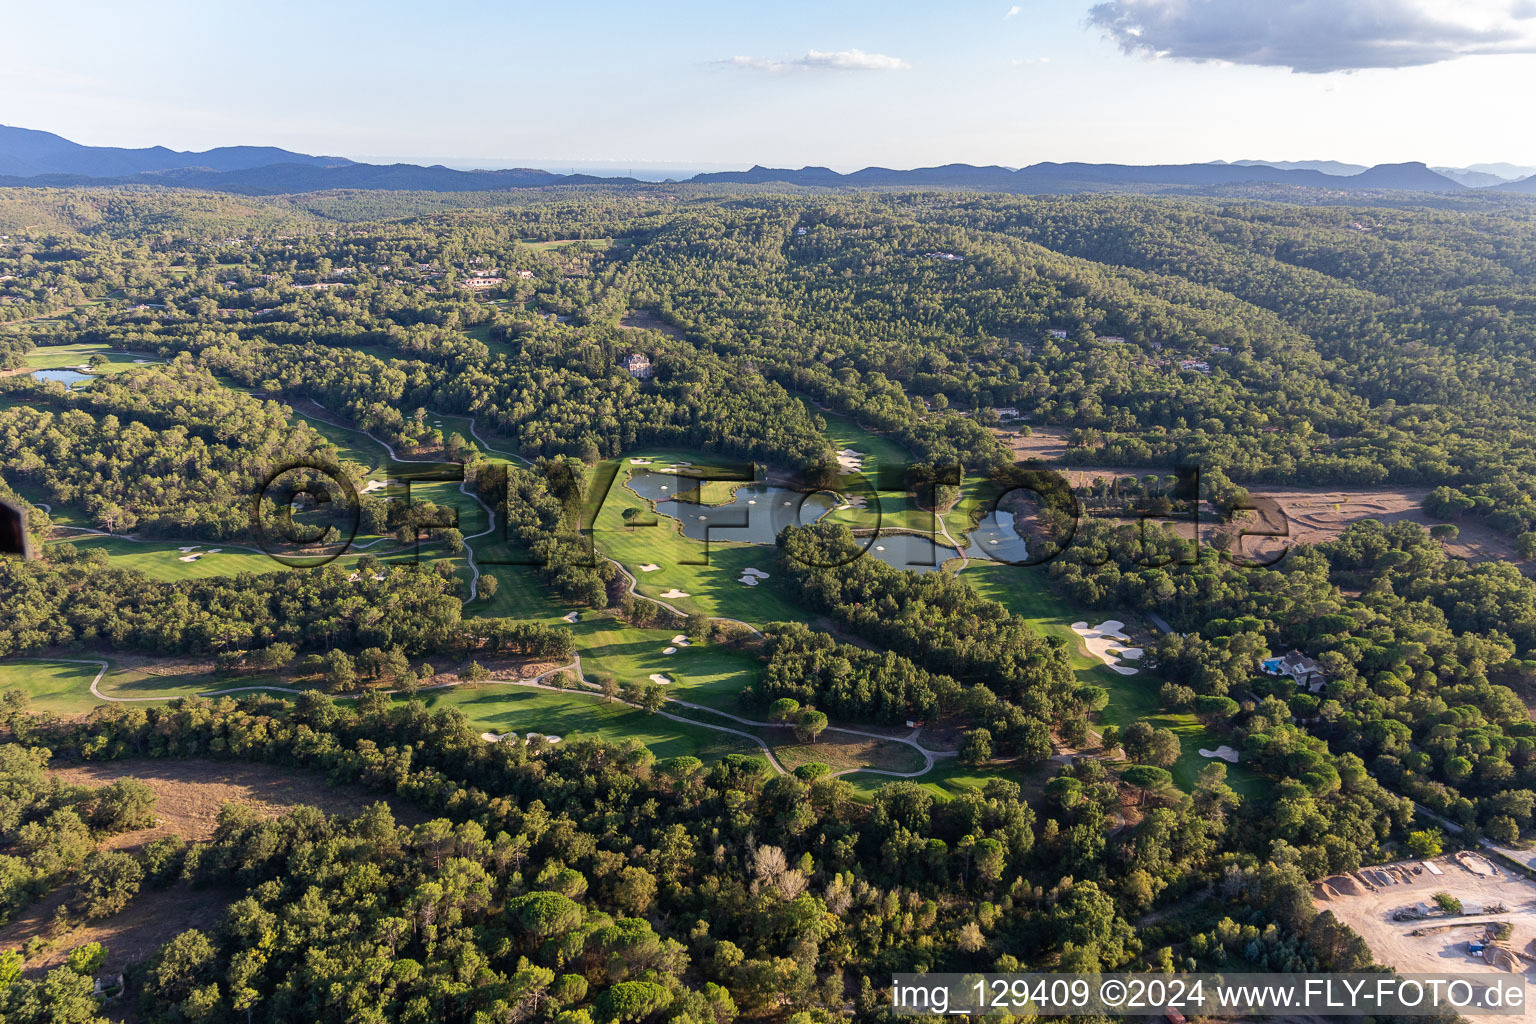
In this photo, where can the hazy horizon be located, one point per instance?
(652, 170)
(843, 86)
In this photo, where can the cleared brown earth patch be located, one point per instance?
(151, 920)
(1370, 899)
(191, 793)
(647, 320)
(1314, 516)
(189, 797)
(1310, 515)
(842, 751)
(1041, 443)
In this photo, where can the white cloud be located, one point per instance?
(1013, 11)
(1317, 36)
(821, 60)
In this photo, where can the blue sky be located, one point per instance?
(841, 84)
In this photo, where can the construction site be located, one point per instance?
(1459, 912)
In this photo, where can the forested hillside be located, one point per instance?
(678, 776)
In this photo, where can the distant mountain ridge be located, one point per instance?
(280, 179)
(1072, 177)
(25, 152)
(1326, 166)
(38, 158)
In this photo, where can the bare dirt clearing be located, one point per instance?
(151, 920)
(1314, 516)
(842, 752)
(191, 793)
(647, 320)
(190, 796)
(1311, 515)
(1041, 443)
(1367, 899)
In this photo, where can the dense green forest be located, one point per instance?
(379, 335)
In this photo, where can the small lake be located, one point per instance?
(755, 515)
(993, 540)
(758, 511)
(69, 378)
(996, 540)
(914, 552)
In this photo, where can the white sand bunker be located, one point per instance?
(669, 650)
(1104, 642)
(658, 678)
(373, 485)
(548, 737)
(1224, 752)
(649, 567)
(681, 640)
(495, 737)
(141, 362)
(674, 592)
(751, 576)
(190, 547)
(639, 462)
(751, 501)
(569, 617)
(850, 460)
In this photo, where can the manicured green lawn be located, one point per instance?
(896, 508)
(130, 682)
(877, 449)
(53, 357)
(1026, 592)
(709, 576)
(64, 687)
(161, 560)
(520, 594)
(61, 515)
(595, 243)
(494, 446)
(504, 708)
(55, 686)
(354, 446)
(707, 674)
(482, 334)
